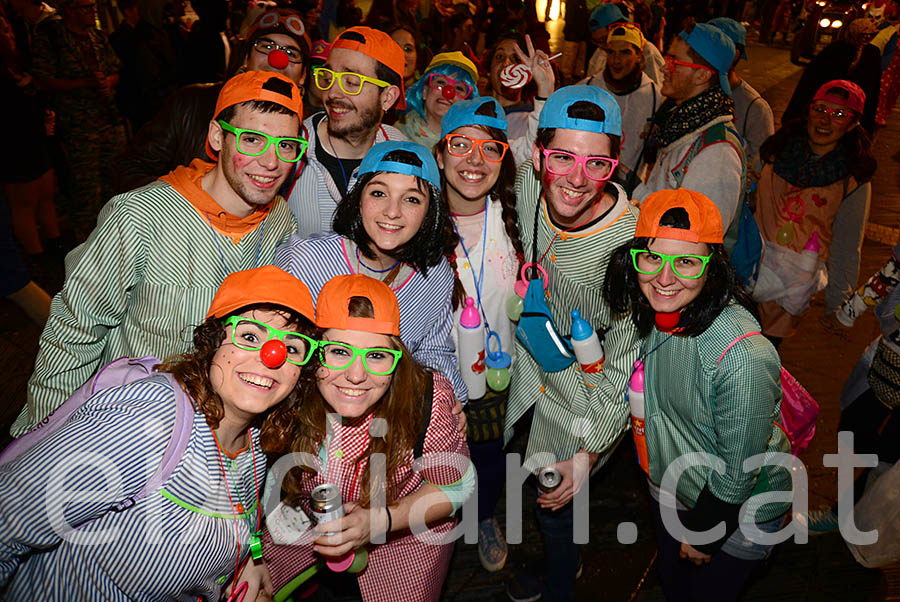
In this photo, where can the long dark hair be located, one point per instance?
(622, 291)
(422, 251)
(855, 143)
(192, 371)
(503, 191)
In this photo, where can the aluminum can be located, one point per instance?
(326, 504)
(548, 479)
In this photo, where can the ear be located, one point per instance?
(704, 76)
(215, 136)
(439, 157)
(536, 157)
(389, 97)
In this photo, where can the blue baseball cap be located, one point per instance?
(734, 30)
(604, 15)
(374, 161)
(715, 47)
(463, 113)
(556, 111)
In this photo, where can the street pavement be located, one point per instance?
(820, 570)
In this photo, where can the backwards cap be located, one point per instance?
(855, 101)
(703, 216)
(266, 284)
(555, 113)
(375, 161)
(734, 30)
(604, 15)
(715, 47)
(381, 47)
(333, 305)
(464, 113)
(626, 32)
(248, 86)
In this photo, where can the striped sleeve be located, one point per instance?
(79, 472)
(100, 275)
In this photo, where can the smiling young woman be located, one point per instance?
(709, 387)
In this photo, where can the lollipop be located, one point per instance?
(515, 76)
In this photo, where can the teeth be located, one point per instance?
(391, 227)
(665, 293)
(260, 381)
(261, 179)
(570, 193)
(471, 177)
(351, 392)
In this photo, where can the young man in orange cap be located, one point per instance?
(158, 254)
(362, 78)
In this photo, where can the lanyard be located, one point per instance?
(262, 232)
(479, 280)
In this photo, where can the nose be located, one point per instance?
(476, 157)
(269, 159)
(577, 176)
(273, 353)
(391, 207)
(356, 372)
(278, 59)
(666, 276)
(448, 92)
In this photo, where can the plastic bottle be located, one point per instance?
(810, 255)
(470, 333)
(635, 397)
(586, 344)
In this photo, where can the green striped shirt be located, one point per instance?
(576, 266)
(693, 403)
(142, 281)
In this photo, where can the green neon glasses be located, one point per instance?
(251, 335)
(376, 360)
(684, 266)
(253, 143)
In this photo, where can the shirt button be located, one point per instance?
(543, 389)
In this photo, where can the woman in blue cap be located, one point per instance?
(478, 177)
(393, 226)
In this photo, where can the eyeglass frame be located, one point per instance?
(476, 143)
(359, 352)
(579, 160)
(670, 259)
(440, 89)
(304, 144)
(338, 76)
(274, 333)
(672, 62)
(293, 50)
(851, 115)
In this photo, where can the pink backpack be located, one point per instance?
(116, 374)
(798, 408)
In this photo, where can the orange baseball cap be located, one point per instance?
(703, 215)
(333, 305)
(266, 284)
(381, 47)
(248, 86)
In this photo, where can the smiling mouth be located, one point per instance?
(470, 176)
(257, 380)
(338, 110)
(665, 293)
(262, 181)
(391, 228)
(352, 392)
(571, 195)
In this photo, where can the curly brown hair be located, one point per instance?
(276, 427)
(401, 406)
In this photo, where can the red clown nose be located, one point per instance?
(448, 92)
(273, 353)
(278, 59)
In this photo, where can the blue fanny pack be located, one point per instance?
(537, 332)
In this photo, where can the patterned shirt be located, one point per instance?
(175, 544)
(143, 279)
(576, 266)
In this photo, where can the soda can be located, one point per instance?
(326, 504)
(548, 479)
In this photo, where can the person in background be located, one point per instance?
(637, 95)
(366, 375)
(575, 34)
(361, 79)
(239, 407)
(407, 37)
(159, 253)
(74, 64)
(449, 78)
(478, 177)
(601, 19)
(711, 385)
(276, 42)
(815, 183)
(753, 116)
(571, 217)
(312, 98)
(208, 48)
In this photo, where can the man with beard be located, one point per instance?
(571, 218)
(693, 143)
(362, 78)
(159, 253)
(637, 95)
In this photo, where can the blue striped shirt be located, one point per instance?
(426, 314)
(158, 549)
